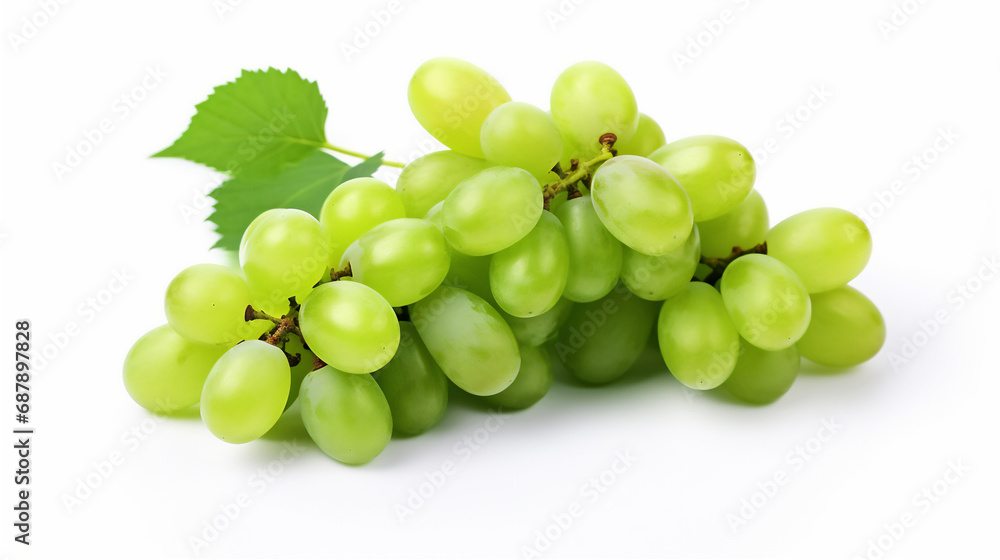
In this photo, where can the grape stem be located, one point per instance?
(359, 155)
(284, 325)
(342, 273)
(719, 264)
(318, 363)
(580, 170)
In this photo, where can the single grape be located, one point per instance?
(491, 210)
(468, 339)
(246, 391)
(766, 300)
(355, 207)
(595, 256)
(294, 347)
(451, 98)
(744, 226)
(533, 380)
(826, 247)
(413, 384)
(647, 139)
(590, 99)
(521, 135)
(697, 338)
(283, 254)
(537, 330)
(527, 278)
(346, 415)
(763, 376)
(658, 278)
(349, 326)
(427, 180)
(846, 329)
(717, 173)
(641, 205)
(206, 303)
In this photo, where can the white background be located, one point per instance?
(904, 424)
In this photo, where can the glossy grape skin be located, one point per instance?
(428, 179)
(535, 331)
(588, 100)
(206, 303)
(744, 226)
(527, 278)
(603, 338)
(641, 205)
(763, 376)
(283, 254)
(299, 371)
(826, 247)
(521, 135)
(533, 381)
(766, 300)
(468, 339)
(491, 210)
(658, 278)
(846, 329)
(349, 326)
(404, 260)
(355, 207)
(595, 256)
(451, 98)
(246, 391)
(413, 384)
(164, 372)
(464, 271)
(716, 172)
(698, 340)
(647, 139)
(346, 415)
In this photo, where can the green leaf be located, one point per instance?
(257, 123)
(303, 185)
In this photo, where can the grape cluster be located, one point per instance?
(567, 235)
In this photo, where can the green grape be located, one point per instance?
(660, 277)
(207, 303)
(533, 380)
(647, 139)
(603, 338)
(527, 278)
(404, 260)
(716, 172)
(846, 329)
(451, 98)
(537, 330)
(744, 226)
(826, 247)
(641, 205)
(464, 271)
(491, 210)
(468, 339)
(346, 415)
(595, 256)
(246, 391)
(763, 376)
(299, 371)
(766, 300)
(349, 326)
(414, 385)
(283, 254)
(427, 180)
(590, 99)
(521, 135)
(697, 338)
(164, 371)
(355, 207)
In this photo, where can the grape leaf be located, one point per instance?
(303, 185)
(255, 124)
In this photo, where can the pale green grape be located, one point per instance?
(846, 329)
(590, 99)
(355, 207)
(533, 380)
(763, 376)
(521, 135)
(299, 371)
(349, 326)
(413, 384)
(641, 205)
(535, 331)
(744, 226)
(346, 415)
(468, 339)
(246, 391)
(657, 278)
(717, 173)
(766, 300)
(427, 180)
(595, 256)
(697, 338)
(527, 278)
(647, 139)
(207, 303)
(826, 247)
(404, 260)
(164, 371)
(283, 254)
(491, 210)
(451, 98)
(464, 271)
